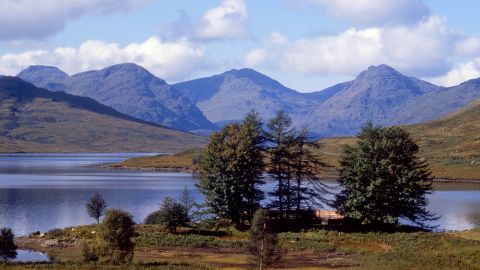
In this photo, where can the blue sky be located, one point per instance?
(305, 44)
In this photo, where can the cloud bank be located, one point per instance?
(170, 60)
(34, 19)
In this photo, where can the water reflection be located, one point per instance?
(45, 191)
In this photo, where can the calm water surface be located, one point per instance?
(39, 192)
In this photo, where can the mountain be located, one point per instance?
(231, 95)
(376, 94)
(38, 120)
(433, 105)
(127, 88)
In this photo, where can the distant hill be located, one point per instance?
(231, 95)
(450, 144)
(379, 94)
(376, 94)
(127, 88)
(37, 120)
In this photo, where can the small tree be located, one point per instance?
(117, 230)
(8, 249)
(171, 215)
(96, 207)
(263, 241)
(188, 203)
(383, 180)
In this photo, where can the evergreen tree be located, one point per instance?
(96, 207)
(117, 230)
(263, 240)
(8, 249)
(308, 167)
(188, 203)
(281, 137)
(383, 179)
(231, 170)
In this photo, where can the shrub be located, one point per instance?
(117, 230)
(171, 215)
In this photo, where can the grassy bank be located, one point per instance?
(181, 162)
(315, 249)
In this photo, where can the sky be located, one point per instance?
(307, 45)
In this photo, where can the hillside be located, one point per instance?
(451, 144)
(128, 88)
(38, 120)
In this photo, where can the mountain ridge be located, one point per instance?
(128, 88)
(33, 119)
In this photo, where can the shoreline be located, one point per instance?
(113, 166)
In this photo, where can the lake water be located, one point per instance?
(39, 192)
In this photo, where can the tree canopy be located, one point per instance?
(383, 180)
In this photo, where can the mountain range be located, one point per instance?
(379, 94)
(38, 120)
(128, 88)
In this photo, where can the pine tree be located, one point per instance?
(280, 137)
(308, 167)
(383, 180)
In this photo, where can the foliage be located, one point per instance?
(231, 170)
(294, 166)
(262, 240)
(171, 215)
(96, 207)
(189, 204)
(8, 249)
(89, 254)
(383, 180)
(117, 230)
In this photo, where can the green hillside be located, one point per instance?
(451, 144)
(37, 120)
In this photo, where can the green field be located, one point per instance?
(314, 249)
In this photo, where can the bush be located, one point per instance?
(117, 230)
(171, 215)
(8, 249)
(89, 254)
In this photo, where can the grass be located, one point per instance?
(313, 249)
(183, 161)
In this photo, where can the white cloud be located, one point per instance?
(33, 19)
(170, 60)
(468, 47)
(277, 38)
(376, 12)
(421, 50)
(460, 73)
(255, 57)
(227, 21)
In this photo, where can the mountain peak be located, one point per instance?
(42, 73)
(379, 71)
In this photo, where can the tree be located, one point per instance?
(171, 215)
(188, 203)
(383, 180)
(231, 170)
(96, 207)
(307, 167)
(263, 241)
(281, 137)
(8, 249)
(117, 230)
